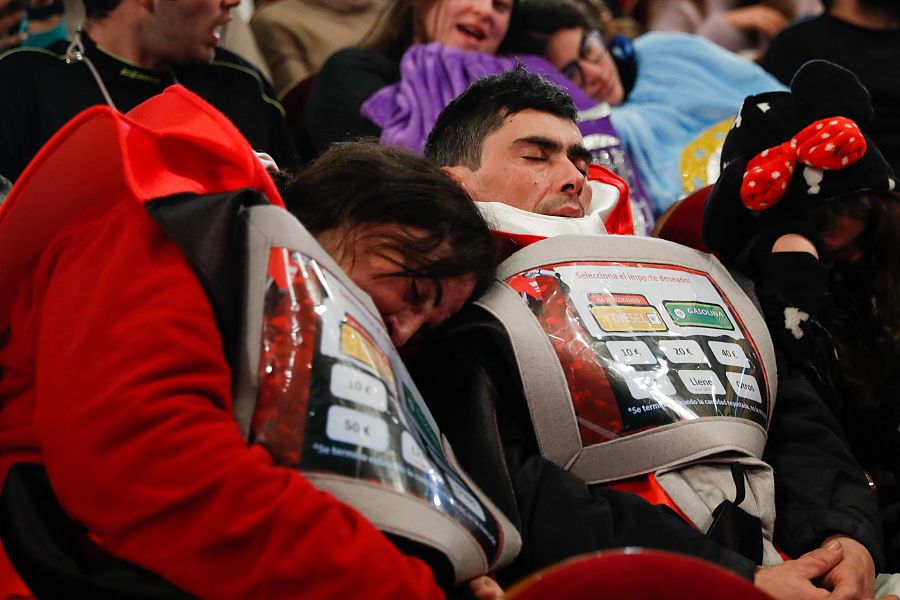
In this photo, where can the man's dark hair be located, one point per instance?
(440, 233)
(535, 22)
(459, 133)
(97, 9)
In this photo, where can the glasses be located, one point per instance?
(592, 49)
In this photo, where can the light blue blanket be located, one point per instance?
(685, 85)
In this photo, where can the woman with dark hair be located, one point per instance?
(806, 206)
(400, 228)
(604, 69)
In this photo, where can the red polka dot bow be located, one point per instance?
(828, 144)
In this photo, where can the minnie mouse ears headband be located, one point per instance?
(790, 152)
(827, 144)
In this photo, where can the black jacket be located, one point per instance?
(41, 92)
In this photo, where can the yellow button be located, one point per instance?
(628, 318)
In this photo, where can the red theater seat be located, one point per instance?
(634, 574)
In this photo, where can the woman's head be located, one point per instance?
(861, 225)
(858, 237)
(568, 36)
(477, 25)
(403, 231)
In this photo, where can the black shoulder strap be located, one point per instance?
(208, 229)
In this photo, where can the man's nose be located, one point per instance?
(402, 326)
(573, 180)
(481, 7)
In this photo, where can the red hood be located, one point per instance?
(173, 143)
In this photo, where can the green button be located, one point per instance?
(698, 314)
(422, 421)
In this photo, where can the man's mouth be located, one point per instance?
(472, 31)
(568, 210)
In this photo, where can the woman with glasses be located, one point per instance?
(571, 39)
(665, 90)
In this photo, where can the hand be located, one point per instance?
(756, 17)
(854, 576)
(485, 588)
(797, 234)
(792, 579)
(6, 23)
(795, 242)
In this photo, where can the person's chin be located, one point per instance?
(616, 96)
(471, 45)
(609, 92)
(204, 54)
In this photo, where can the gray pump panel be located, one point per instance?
(639, 356)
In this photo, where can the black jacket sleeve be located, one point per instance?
(19, 131)
(346, 81)
(820, 489)
(468, 378)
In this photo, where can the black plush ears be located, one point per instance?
(822, 89)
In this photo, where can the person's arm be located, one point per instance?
(133, 410)
(820, 490)
(674, 15)
(683, 15)
(793, 288)
(249, 100)
(346, 80)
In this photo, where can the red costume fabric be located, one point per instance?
(115, 379)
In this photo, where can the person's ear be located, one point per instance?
(462, 175)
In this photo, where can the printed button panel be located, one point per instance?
(352, 384)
